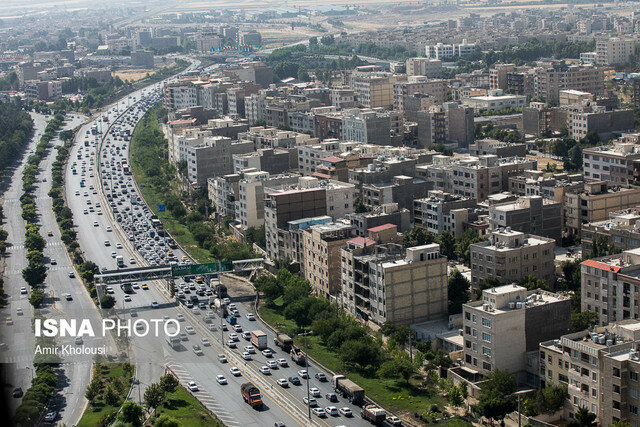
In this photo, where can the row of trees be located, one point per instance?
(35, 272)
(37, 397)
(16, 127)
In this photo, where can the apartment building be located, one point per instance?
(448, 124)
(615, 50)
(269, 160)
(529, 214)
(511, 255)
(589, 117)
(384, 283)
(180, 95)
(437, 212)
(621, 229)
(263, 137)
(447, 51)
(368, 126)
(401, 190)
(249, 209)
(343, 97)
(435, 88)
(223, 193)
(600, 368)
(594, 203)
(569, 97)
(385, 214)
(423, 67)
(507, 323)
(611, 163)
(495, 100)
(322, 244)
(212, 157)
(312, 156)
(473, 177)
(610, 286)
(482, 147)
(551, 79)
(498, 76)
(373, 89)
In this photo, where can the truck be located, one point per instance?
(251, 395)
(220, 290)
(259, 339)
(173, 341)
(297, 355)
(231, 319)
(373, 414)
(120, 261)
(348, 389)
(126, 288)
(283, 341)
(221, 307)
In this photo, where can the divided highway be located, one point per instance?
(104, 239)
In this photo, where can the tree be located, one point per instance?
(455, 396)
(583, 418)
(34, 274)
(398, 367)
(107, 301)
(168, 383)
(359, 205)
(463, 242)
(575, 159)
(600, 246)
(582, 320)
(363, 353)
(417, 237)
(34, 242)
(458, 290)
(447, 244)
(166, 421)
(551, 398)
(496, 400)
(36, 298)
(131, 413)
(531, 283)
(93, 390)
(111, 396)
(153, 396)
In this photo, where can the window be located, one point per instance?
(486, 337)
(594, 392)
(486, 322)
(474, 333)
(633, 410)
(633, 376)
(486, 366)
(474, 318)
(633, 393)
(486, 351)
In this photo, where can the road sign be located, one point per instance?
(161, 207)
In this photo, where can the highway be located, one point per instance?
(75, 371)
(152, 355)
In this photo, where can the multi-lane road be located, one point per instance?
(150, 354)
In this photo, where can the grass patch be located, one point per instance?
(186, 410)
(110, 375)
(395, 395)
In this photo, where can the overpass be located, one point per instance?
(138, 274)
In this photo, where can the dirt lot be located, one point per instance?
(132, 75)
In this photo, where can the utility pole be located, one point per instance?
(306, 365)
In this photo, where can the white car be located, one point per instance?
(267, 353)
(332, 410)
(319, 412)
(118, 246)
(190, 330)
(221, 379)
(234, 337)
(272, 364)
(315, 392)
(345, 412)
(246, 355)
(19, 311)
(127, 298)
(180, 317)
(265, 370)
(109, 228)
(251, 317)
(192, 386)
(283, 362)
(250, 349)
(23, 290)
(235, 371)
(205, 342)
(282, 382)
(302, 373)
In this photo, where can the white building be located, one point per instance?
(495, 101)
(615, 50)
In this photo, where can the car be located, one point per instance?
(267, 353)
(246, 355)
(393, 420)
(154, 304)
(49, 233)
(50, 417)
(231, 344)
(192, 386)
(221, 379)
(302, 373)
(310, 401)
(222, 358)
(23, 290)
(107, 243)
(235, 371)
(145, 287)
(184, 337)
(71, 275)
(321, 377)
(265, 370)
(295, 380)
(109, 229)
(251, 317)
(127, 298)
(17, 392)
(225, 328)
(283, 362)
(79, 341)
(332, 410)
(331, 397)
(197, 350)
(205, 342)
(8, 321)
(190, 330)
(345, 412)
(95, 224)
(114, 254)
(272, 364)
(118, 246)
(237, 328)
(250, 349)
(246, 335)
(53, 261)
(315, 392)
(68, 297)
(234, 337)
(110, 290)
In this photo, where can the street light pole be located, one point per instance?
(306, 365)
